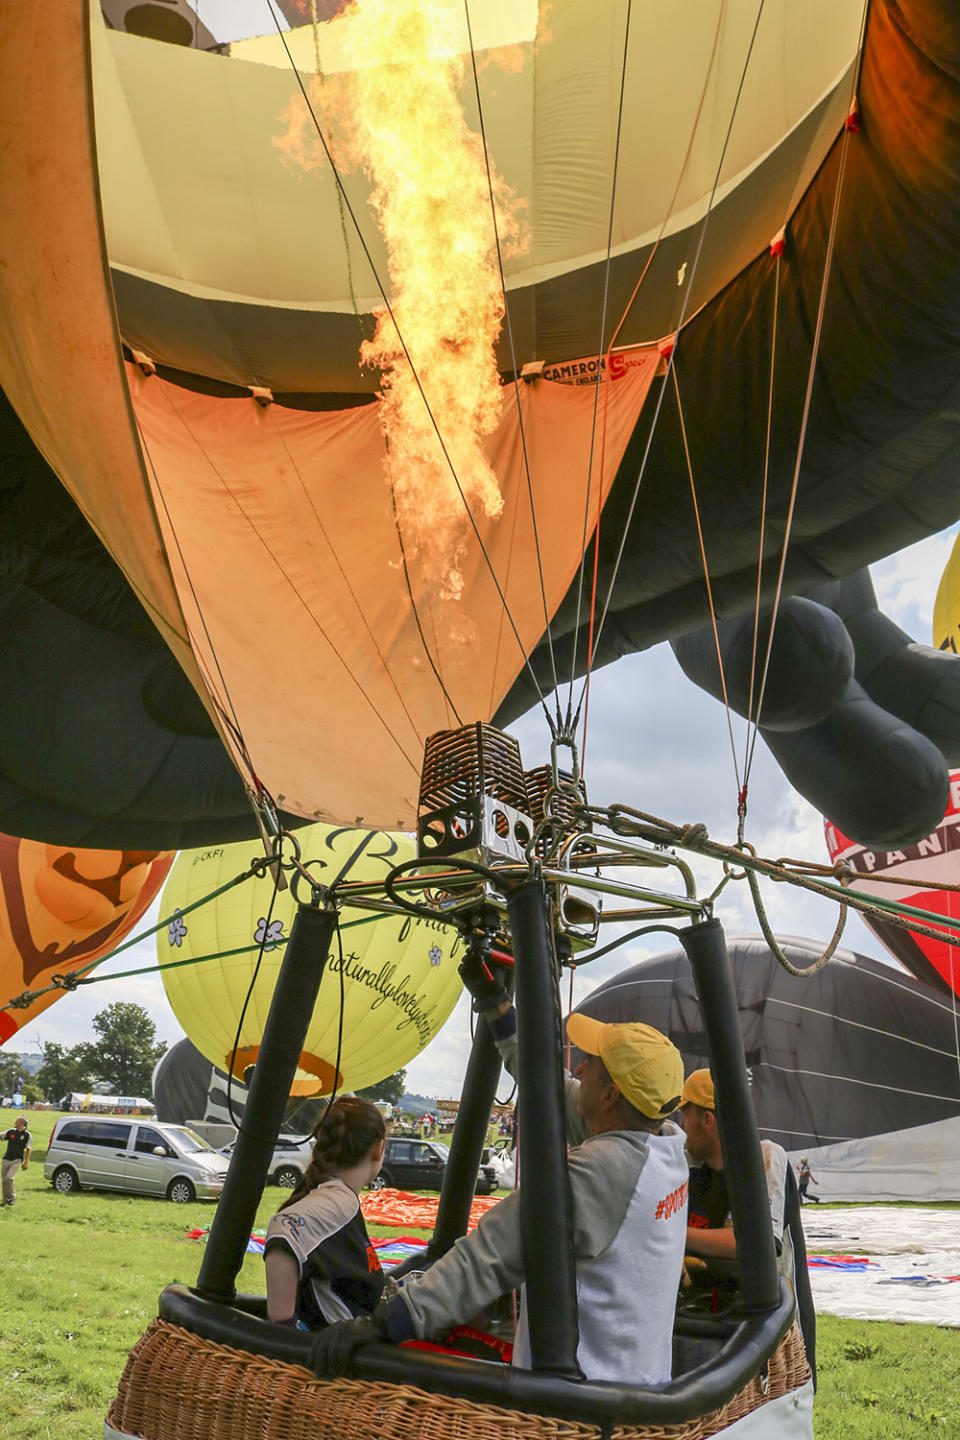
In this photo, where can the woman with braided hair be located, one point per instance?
(320, 1264)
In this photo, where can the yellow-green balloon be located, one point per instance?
(400, 979)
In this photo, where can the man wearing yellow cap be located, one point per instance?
(709, 1231)
(709, 1227)
(628, 1180)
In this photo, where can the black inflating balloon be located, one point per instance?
(874, 749)
(810, 664)
(858, 1049)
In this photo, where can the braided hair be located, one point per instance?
(348, 1131)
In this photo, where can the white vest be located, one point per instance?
(627, 1296)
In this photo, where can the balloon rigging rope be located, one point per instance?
(613, 340)
(596, 388)
(811, 373)
(315, 22)
(628, 821)
(415, 611)
(753, 724)
(805, 416)
(353, 596)
(75, 978)
(683, 170)
(232, 1052)
(348, 670)
(413, 370)
(685, 304)
(706, 573)
(513, 360)
(231, 721)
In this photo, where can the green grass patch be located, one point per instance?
(881, 1381)
(81, 1275)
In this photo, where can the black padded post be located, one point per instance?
(546, 1206)
(467, 1142)
(283, 1036)
(742, 1158)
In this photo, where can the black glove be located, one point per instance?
(333, 1348)
(482, 979)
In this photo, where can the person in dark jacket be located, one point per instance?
(15, 1157)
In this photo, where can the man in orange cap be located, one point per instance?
(709, 1226)
(628, 1181)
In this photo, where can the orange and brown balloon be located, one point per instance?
(63, 907)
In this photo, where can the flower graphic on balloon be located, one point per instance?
(177, 932)
(436, 954)
(269, 936)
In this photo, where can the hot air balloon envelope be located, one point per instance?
(398, 974)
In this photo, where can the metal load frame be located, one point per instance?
(524, 898)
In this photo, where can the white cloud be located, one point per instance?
(906, 583)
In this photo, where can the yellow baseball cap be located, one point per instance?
(698, 1090)
(644, 1064)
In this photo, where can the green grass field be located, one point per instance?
(81, 1275)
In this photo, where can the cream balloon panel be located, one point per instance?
(400, 979)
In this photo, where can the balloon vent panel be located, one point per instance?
(473, 798)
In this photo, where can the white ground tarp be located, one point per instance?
(877, 1263)
(921, 1164)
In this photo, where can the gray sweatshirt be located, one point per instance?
(629, 1192)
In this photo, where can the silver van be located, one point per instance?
(142, 1157)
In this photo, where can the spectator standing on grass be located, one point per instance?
(15, 1156)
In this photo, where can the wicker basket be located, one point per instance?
(177, 1386)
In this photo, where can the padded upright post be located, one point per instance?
(283, 1038)
(467, 1142)
(546, 1205)
(739, 1138)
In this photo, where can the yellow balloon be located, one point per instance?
(946, 607)
(399, 973)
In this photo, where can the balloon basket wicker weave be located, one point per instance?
(180, 1386)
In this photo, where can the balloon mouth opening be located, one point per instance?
(314, 1076)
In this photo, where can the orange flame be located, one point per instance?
(408, 130)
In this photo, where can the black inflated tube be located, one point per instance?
(601, 1403)
(283, 1036)
(546, 1204)
(742, 1158)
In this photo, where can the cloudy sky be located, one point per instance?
(657, 742)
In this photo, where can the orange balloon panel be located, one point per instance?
(61, 908)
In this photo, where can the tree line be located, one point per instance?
(121, 1058)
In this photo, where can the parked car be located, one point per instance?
(142, 1157)
(419, 1165)
(288, 1164)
